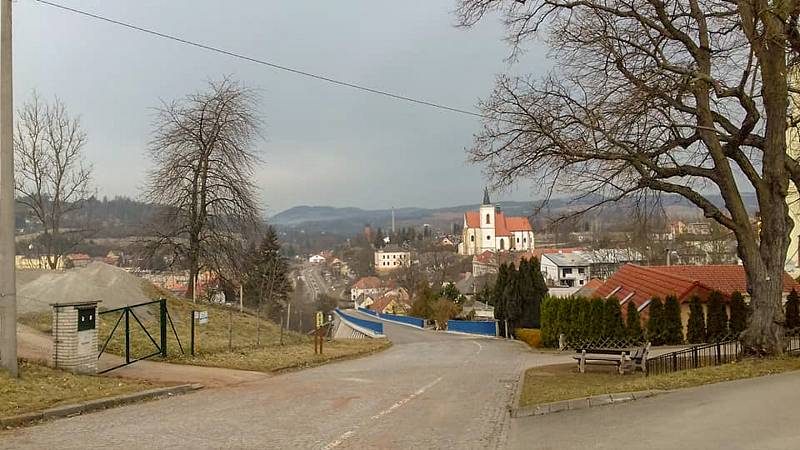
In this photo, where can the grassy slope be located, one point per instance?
(211, 339)
(563, 381)
(40, 388)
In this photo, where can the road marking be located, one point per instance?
(341, 439)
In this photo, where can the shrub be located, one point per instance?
(739, 313)
(633, 322)
(792, 311)
(696, 332)
(597, 314)
(613, 327)
(655, 322)
(673, 326)
(717, 320)
(530, 336)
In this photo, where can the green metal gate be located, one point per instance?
(130, 321)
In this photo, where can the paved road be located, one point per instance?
(430, 390)
(760, 413)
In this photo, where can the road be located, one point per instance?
(430, 390)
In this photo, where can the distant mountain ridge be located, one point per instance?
(351, 219)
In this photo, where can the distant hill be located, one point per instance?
(350, 219)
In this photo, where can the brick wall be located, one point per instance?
(66, 348)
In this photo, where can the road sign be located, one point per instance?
(319, 319)
(202, 316)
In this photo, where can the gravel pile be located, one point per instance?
(36, 289)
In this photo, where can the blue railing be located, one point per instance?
(376, 327)
(367, 311)
(484, 328)
(416, 321)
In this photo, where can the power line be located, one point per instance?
(261, 61)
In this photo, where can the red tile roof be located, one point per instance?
(486, 257)
(639, 283)
(503, 225)
(368, 283)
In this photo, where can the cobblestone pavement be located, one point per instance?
(430, 390)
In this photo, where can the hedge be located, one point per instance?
(531, 336)
(580, 317)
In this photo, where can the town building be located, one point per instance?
(490, 229)
(316, 259)
(391, 257)
(394, 301)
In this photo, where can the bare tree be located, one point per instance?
(202, 178)
(52, 177)
(689, 97)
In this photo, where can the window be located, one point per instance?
(523, 240)
(487, 219)
(488, 238)
(567, 271)
(517, 240)
(472, 238)
(581, 270)
(502, 244)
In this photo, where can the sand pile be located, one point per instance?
(36, 289)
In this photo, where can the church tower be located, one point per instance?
(487, 218)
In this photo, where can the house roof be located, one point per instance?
(640, 283)
(504, 225)
(486, 257)
(538, 252)
(367, 283)
(567, 259)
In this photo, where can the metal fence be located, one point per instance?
(713, 354)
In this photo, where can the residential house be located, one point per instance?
(316, 259)
(395, 301)
(490, 229)
(565, 269)
(79, 259)
(640, 284)
(699, 228)
(369, 286)
(391, 257)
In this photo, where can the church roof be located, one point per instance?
(503, 225)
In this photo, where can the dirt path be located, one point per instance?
(34, 345)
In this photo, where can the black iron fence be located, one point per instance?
(713, 354)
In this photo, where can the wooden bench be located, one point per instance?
(602, 356)
(622, 358)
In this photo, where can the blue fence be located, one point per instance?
(485, 328)
(417, 322)
(367, 311)
(377, 327)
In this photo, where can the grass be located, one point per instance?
(211, 339)
(40, 387)
(288, 357)
(563, 381)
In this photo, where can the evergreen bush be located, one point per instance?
(655, 322)
(696, 333)
(717, 320)
(633, 322)
(673, 325)
(792, 311)
(739, 313)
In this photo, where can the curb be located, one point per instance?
(578, 403)
(93, 405)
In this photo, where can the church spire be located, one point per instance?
(486, 200)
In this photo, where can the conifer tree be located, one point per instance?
(597, 315)
(673, 326)
(614, 327)
(717, 321)
(655, 322)
(633, 322)
(792, 310)
(739, 313)
(696, 332)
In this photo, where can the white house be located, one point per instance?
(565, 269)
(490, 229)
(391, 257)
(316, 259)
(369, 286)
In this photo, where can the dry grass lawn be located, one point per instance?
(564, 382)
(40, 387)
(211, 339)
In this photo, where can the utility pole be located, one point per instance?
(8, 289)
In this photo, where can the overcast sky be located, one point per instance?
(326, 145)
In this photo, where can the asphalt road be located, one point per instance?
(430, 390)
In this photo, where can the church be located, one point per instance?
(490, 229)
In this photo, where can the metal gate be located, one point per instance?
(149, 321)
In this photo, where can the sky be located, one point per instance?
(324, 144)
